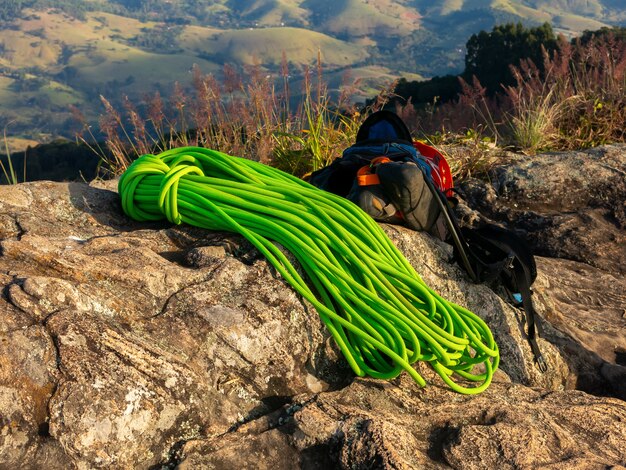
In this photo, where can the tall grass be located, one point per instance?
(577, 99)
(319, 130)
(9, 173)
(536, 103)
(252, 117)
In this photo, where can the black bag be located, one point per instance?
(383, 174)
(382, 134)
(499, 254)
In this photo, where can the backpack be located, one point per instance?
(397, 181)
(384, 174)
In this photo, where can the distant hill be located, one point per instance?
(54, 53)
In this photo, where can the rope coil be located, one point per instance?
(381, 314)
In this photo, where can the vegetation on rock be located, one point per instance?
(543, 92)
(555, 94)
(573, 98)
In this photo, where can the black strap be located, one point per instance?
(521, 279)
(522, 270)
(453, 226)
(479, 269)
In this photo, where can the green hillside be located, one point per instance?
(56, 53)
(355, 18)
(271, 12)
(49, 60)
(266, 46)
(565, 14)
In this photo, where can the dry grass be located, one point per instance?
(8, 171)
(577, 99)
(252, 118)
(469, 154)
(578, 102)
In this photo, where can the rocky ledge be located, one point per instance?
(128, 345)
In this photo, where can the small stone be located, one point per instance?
(204, 256)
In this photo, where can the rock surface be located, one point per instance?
(128, 345)
(372, 424)
(572, 207)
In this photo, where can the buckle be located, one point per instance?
(541, 363)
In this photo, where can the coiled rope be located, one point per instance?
(379, 311)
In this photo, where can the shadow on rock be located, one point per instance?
(102, 202)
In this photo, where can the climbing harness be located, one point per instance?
(383, 317)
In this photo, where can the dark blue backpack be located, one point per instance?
(383, 174)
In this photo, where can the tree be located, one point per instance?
(618, 33)
(490, 55)
(437, 89)
(10, 9)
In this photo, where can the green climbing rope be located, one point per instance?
(379, 311)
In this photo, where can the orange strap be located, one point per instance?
(365, 176)
(379, 160)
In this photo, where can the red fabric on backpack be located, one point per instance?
(442, 176)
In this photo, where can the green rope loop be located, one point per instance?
(383, 317)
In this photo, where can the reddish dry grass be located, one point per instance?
(577, 99)
(249, 118)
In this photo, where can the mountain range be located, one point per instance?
(56, 53)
